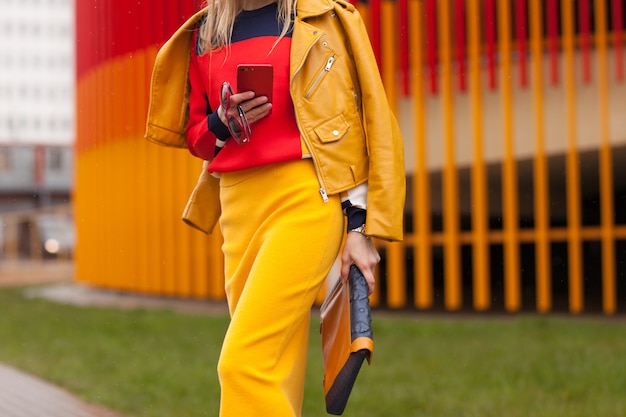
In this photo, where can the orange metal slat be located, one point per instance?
(608, 230)
(452, 255)
(542, 247)
(421, 187)
(164, 184)
(396, 275)
(512, 287)
(572, 175)
(140, 102)
(480, 253)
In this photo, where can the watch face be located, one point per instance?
(360, 229)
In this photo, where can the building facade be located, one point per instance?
(36, 102)
(37, 121)
(512, 117)
(36, 72)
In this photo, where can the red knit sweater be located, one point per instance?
(275, 138)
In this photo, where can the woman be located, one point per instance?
(280, 175)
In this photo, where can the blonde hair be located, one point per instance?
(217, 28)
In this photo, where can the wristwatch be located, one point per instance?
(360, 229)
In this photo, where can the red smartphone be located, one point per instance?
(256, 77)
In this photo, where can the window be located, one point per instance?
(5, 160)
(66, 124)
(7, 28)
(55, 159)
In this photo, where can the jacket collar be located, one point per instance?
(191, 22)
(309, 8)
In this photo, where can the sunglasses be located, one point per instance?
(238, 127)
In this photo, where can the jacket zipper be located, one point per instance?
(322, 191)
(320, 76)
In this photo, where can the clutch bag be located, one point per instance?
(346, 338)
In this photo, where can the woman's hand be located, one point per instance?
(360, 251)
(255, 108)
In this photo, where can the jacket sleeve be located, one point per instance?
(204, 129)
(386, 176)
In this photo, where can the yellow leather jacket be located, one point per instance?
(340, 105)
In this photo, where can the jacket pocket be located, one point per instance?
(320, 76)
(332, 130)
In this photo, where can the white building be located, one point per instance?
(37, 72)
(37, 133)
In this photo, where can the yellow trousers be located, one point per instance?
(280, 241)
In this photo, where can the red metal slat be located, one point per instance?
(139, 21)
(459, 27)
(172, 17)
(83, 18)
(130, 26)
(403, 16)
(584, 25)
(618, 37)
(188, 8)
(553, 39)
(431, 42)
(102, 37)
(375, 29)
(158, 31)
(490, 38)
(143, 18)
(521, 32)
(128, 36)
(115, 29)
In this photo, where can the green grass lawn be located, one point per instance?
(162, 363)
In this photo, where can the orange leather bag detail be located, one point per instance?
(346, 338)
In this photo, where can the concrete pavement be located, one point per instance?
(23, 395)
